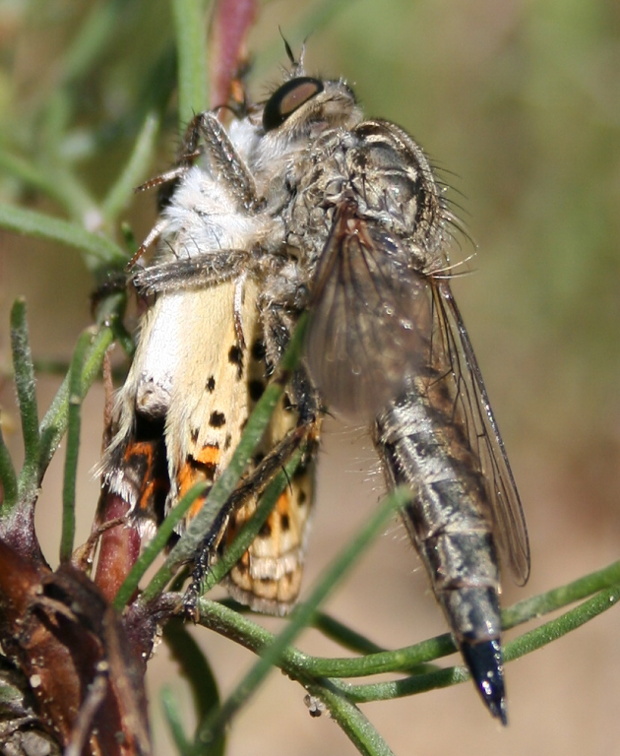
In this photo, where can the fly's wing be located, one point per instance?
(376, 321)
(470, 394)
(368, 318)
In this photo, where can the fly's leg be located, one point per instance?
(218, 148)
(192, 272)
(227, 163)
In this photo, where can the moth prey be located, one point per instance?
(206, 347)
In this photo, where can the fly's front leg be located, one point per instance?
(238, 308)
(279, 322)
(193, 272)
(206, 136)
(226, 161)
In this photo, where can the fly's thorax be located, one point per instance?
(321, 180)
(379, 168)
(393, 182)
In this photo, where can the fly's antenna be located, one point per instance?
(297, 66)
(287, 48)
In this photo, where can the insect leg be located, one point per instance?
(192, 272)
(226, 161)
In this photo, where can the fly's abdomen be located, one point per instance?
(423, 445)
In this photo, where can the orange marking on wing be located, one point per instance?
(209, 455)
(150, 493)
(202, 467)
(142, 458)
(283, 504)
(139, 449)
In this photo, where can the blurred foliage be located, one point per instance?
(521, 100)
(518, 102)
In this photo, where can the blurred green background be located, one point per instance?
(519, 104)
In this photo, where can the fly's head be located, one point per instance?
(301, 114)
(303, 108)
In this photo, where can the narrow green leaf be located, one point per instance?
(352, 721)
(134, 170)
(54, 422)
(93, 35)
(73, 442)
(26, 396)
(33, 223)
(32, 177)
(407, 686)
(399, 660)
(190, 31)
(8, 477)
(560, 626)
(562, 596)
(196, 669)
(175, 721)
(344, 635)
(211, 729)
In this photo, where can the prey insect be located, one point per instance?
(304, 205)
(208, 343)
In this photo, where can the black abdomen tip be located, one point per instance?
(485, 664)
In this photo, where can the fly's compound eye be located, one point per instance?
(287, 99)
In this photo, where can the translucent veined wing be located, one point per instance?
(377, 321)
(484, 437)
(369, 317)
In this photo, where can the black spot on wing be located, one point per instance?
(217, 419)
(258, 350)
(256, 389)
(235, 357)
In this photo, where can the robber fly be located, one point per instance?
(387, 342)
(304, 205)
